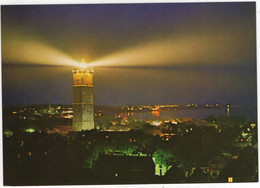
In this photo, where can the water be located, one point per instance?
(248, 112)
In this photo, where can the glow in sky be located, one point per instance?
(195, 48)
(25, 50)
(179, 52)
(130, 35)
(216, 47)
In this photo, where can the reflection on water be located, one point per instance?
(156, 113)
(172, 114)
(248, 113)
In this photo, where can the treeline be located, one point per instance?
(42, 159)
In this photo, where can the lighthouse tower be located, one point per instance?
(83, 97)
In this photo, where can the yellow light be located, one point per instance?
(252, 124)
(29, 130)
(84, 65)
(230, 179)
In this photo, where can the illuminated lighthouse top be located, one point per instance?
(83, 67)
(83, 74)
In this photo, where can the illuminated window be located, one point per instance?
(252, 124)
(230, 179)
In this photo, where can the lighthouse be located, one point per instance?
(83, 97)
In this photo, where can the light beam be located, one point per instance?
(26, 50)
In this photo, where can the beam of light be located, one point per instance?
(83, 65)
(32, 51)
(224, 46)
(217, 47)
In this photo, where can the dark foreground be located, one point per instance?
(223, 150)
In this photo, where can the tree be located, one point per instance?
(104, 122)
(196, 148)
(243, 169)
(211, 119)
(175, 174)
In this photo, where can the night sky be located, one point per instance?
(173, 53)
